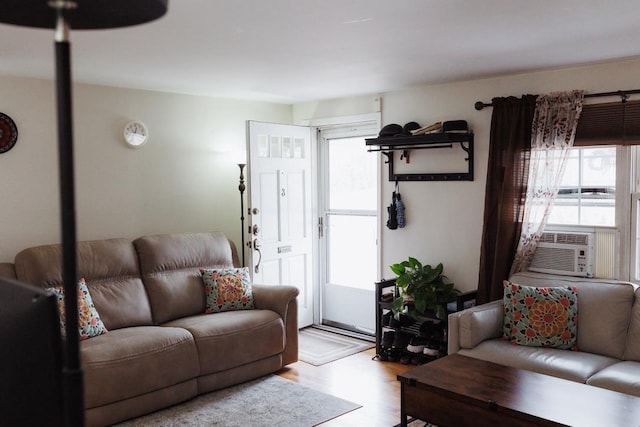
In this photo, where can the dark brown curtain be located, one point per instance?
(507, 174)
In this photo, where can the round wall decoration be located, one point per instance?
(8, 133)
(136, 134)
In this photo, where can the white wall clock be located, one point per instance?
(136, 134)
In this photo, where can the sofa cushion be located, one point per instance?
(134, 361)
(541, 316)
(234, 338)
(110, 269)
(570, 365)
(89, 322)
(170, 265)
(605, 310)
(623, 377)
(227, 289)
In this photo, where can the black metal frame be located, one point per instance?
(423, 142)
(623, 94)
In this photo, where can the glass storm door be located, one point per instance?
(349, 245)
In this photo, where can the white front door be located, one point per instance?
(281, 210)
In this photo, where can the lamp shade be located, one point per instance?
(84, 15)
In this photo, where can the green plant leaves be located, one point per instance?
(425, 286)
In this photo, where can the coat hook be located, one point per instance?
(405, 156)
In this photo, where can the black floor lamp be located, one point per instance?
(82, 15)
(241, 188)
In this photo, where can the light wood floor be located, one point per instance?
(359, 379)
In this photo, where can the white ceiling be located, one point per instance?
(299, 50)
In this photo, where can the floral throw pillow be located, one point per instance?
(227, 289)
(89, 323)
(541, 316)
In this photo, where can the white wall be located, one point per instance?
(445, 218)
(183, 179)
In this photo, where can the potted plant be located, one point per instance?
(422, 289)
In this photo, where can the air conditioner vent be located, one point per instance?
(555, 259)
(548, 238)
(564, 253)
(565, 238)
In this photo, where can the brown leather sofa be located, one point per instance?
(161, 349)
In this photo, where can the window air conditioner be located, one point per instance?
(569, 254)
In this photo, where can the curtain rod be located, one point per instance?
(624, 94)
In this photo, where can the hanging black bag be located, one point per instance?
(392, 222)
(397, 198)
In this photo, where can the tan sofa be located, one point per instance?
(608, 337)
(161, 349)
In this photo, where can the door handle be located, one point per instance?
(256, 247)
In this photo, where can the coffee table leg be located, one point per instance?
(403, 415)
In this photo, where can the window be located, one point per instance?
(587, 194)
(600, 189)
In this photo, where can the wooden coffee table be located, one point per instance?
(462, 391)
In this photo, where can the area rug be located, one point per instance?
(265, 402)
(318, 347)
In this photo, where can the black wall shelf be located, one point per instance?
(421, 142)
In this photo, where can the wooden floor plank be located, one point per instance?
(357, 378)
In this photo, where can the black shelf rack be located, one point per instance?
(389, 145)
(383, 306)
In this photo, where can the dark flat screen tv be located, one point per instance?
(30, 356)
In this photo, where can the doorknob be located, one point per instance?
(256, 247)
(254, 211)
(254, 229)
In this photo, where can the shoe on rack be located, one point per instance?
(401, 340)
(386, 318)
(432, 352)
(393, 355)
(402, 321)
(386, 297)
(406, 320)
(387, 339)
(416, 345)
(427, 328)
(418, 360)
(383, 356)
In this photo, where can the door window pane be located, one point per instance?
(352, 172)
(352, 250)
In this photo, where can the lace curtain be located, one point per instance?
(552, 134)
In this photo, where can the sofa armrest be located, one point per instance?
(7, 270)
(282, 300)
(470, 327)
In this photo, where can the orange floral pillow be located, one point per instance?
(227, 289)
(89, 323)
(541, 316)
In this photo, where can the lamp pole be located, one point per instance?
(61, 15)
(241, 188)
(72, 371)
